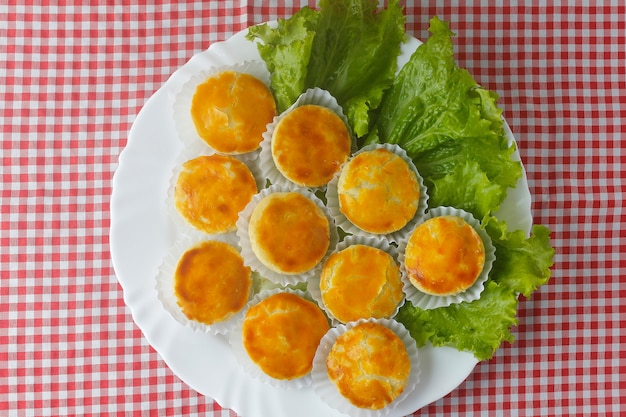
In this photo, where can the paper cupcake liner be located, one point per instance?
(328, 392)
(315, 96)
(347, 226)
(187, 134)
(165, 286)
(235, 339)
(181, 223)
(250, 257)
(429, 301)
(375, 242)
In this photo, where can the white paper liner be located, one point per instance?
(375, 242)
(315, 96)
(250, 257)
(429, 301)
(165, 285)
(235, 339)
(183, 121)
(347, 226)
(181, 223)
(328, 392)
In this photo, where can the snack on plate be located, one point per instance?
(211, 283)
(444, 256)
(289, 233)
(210, 191)
(230, 111)
(306, 144)
(370, 366)
(361, 281)
(378, 190)
(281, 334)
(309, 145)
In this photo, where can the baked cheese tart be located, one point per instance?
(378, 191)
(444, 256)
(281, 334)
(361, 281)
(370, 366)
(231, 110)
(309, 145)
(211, 283)
(289, 233)
(211, 190)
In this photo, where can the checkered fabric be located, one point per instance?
(72, 80)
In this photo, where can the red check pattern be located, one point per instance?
(72, 80)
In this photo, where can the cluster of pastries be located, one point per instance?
(339, 233)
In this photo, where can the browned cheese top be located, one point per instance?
(370, 365)
(361, 282)
(231, 110)
(281, 335)
(289, 233)
(378, 191)
(444, 256)
(309, 145)
(211, 282)
(211, 191)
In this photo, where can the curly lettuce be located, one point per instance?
(478, 327)
(453, 130)
(286, 51)
(349, 48)
(443, 119)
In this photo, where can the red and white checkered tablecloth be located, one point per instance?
(74, 77)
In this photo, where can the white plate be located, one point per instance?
(141, 233)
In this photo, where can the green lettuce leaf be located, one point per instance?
(286, 51)
(479, 327)
(443, 118)
(522, 263)
(355, 53)
(349, 48)
(468, 188)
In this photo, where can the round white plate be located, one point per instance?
(141, 234)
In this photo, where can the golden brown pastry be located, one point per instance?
(289, 233)
(231, 111)
(378, 191)
(360, 282)
(369, 365)
(211, 283)
(281, 335)
(444, 256)
(309, 145)
(211, 191)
